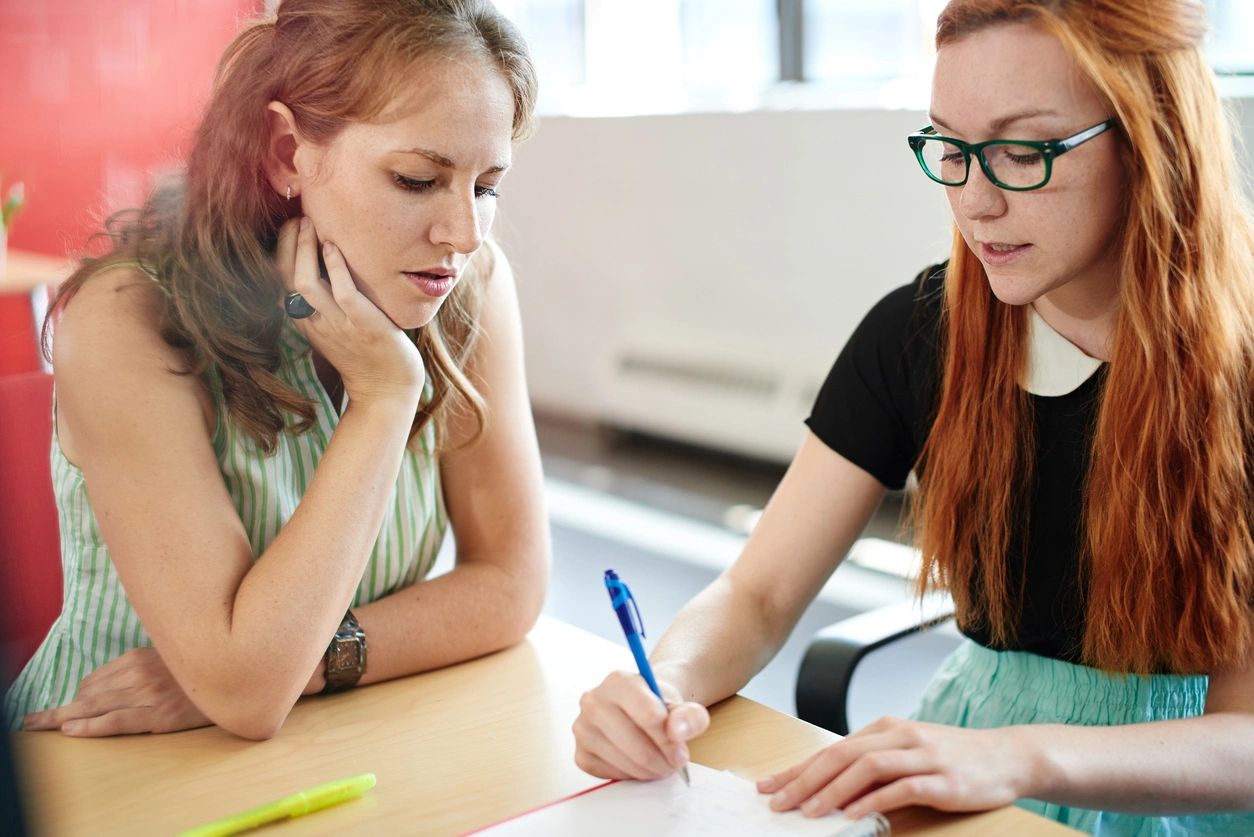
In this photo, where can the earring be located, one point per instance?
(289, 191)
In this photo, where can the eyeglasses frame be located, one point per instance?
(1048, 149)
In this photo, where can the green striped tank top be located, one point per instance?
(97, 622)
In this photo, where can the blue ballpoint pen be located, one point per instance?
(620, 598)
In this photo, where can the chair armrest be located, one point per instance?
(827, 668)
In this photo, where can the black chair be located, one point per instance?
(830, 659)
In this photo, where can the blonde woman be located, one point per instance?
(288, 376)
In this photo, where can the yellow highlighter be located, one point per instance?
(305, 802)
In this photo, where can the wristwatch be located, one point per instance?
(346, 656)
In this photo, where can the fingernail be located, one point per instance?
(766, 781)
(853, 812)
(72, 727)
(328, 248)
(304, 223)
(811, 806)
(779, 799)
(681, 728)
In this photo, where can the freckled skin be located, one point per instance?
(1072, 223)
(460, 109)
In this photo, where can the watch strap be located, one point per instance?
(345, 656)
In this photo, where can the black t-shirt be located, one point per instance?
(876, 409)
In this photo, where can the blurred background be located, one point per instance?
(717, 192)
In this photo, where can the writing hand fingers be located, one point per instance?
(645, 745)
(624, 714)
(686, 721)
(591, 763)
(644, 710)
(621, 746)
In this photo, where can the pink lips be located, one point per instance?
(435, 283)
(1001, 258)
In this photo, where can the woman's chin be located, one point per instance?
(410, 317)
(1013, 291)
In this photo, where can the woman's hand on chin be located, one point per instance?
(377, 360)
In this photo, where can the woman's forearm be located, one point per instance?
(475, 609)
(294, 596)
(717, 643)
(1202, 764)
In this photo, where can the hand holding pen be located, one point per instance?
(624, 729)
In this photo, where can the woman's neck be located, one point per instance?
(1084, 314)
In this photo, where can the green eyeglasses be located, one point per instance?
(1017, 165)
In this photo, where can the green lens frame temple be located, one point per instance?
(1049, 149)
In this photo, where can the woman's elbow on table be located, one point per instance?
(254, 722)
(528, 601)
(520, 598)
(252, 707)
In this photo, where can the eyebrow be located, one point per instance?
(443, 161)
(1000, 124)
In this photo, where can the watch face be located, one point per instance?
(344, 657)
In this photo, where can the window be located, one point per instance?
(865, 40)
(648, 56)
(555, 31)
(1231, 42)
(622, 57)
(729, 43)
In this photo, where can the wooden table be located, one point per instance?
(453, 750)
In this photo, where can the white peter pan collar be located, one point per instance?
(1056, 366)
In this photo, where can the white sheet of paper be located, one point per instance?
(718, 804)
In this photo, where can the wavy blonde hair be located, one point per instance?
(1167, 540)
(209, 238)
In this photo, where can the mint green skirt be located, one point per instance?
(980, 688)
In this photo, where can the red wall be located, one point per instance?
(95, 97)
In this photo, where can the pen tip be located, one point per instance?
(683, 771)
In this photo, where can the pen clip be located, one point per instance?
(622, 597)
(639, 620)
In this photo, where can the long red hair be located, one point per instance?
(1167, 539)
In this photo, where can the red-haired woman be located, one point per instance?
(288, 376)
(1073, 389)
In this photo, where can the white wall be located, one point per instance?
(695, 275)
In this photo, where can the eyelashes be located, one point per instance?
(409, 184)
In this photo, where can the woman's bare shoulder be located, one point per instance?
(108, 352)
(114, 316)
